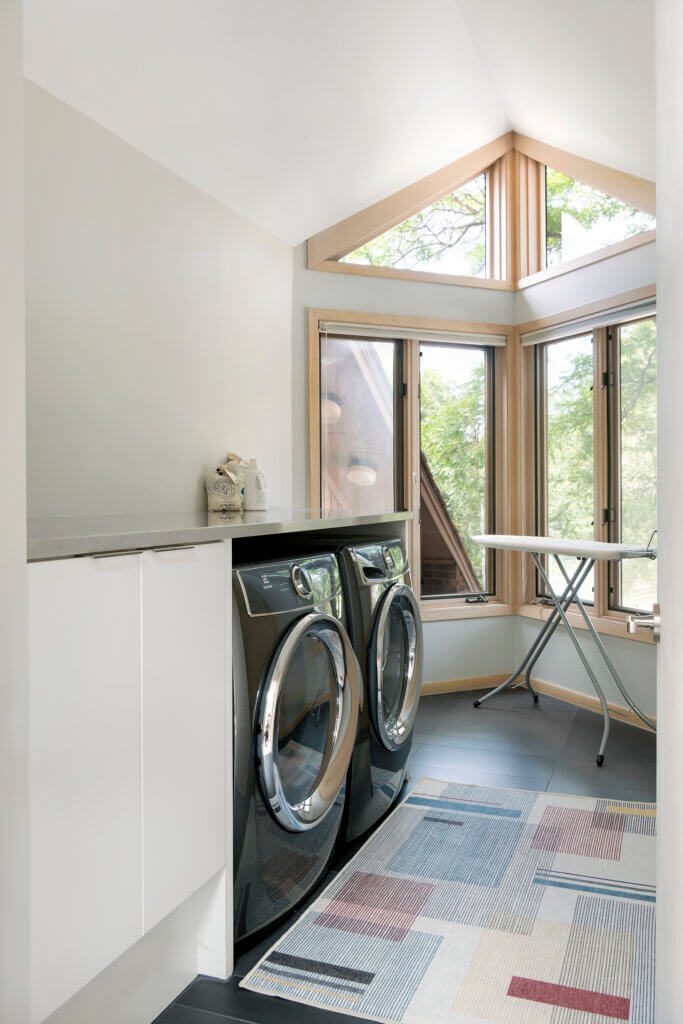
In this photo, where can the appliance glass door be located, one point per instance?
(308, 720)
(395, 665)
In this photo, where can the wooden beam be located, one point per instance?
(638, 192)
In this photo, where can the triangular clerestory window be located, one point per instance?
(446, 237)
(581, 220)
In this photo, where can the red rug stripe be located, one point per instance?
(570, 998)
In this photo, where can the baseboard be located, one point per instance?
(589, 703)
(456, 685)
(575, 697)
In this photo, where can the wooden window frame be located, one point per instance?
(515, 466)
(433, 608)
(610, 621)
(612, 503)
(326, 249)
(515, 230)
(533, 159)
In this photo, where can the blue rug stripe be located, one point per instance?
(596, 890)
(456, 805)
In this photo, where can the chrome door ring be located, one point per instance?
(393, 736)
(311, 811)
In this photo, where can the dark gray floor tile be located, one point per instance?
(227, 998)
(176, 1013)
(584, 778)
(539, 733)
(507, 762)
(536, 781)
(509, 700)
(626, 744)
(521, 700)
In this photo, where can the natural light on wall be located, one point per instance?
(447, 237)
(581, 220)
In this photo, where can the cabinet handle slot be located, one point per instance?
(116, 554)
(174, 547)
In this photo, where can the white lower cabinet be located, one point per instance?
(184, 723)
(85, 771)
(127, 754)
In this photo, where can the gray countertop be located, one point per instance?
(90, 535)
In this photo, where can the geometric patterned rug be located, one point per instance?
(473, 905)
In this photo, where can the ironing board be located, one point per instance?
(587, 552)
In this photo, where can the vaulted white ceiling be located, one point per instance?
(297, 113)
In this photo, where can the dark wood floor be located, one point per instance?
(509, 742)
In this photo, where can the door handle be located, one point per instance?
(653, 622)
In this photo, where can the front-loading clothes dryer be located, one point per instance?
(386, 629)
(297, 695)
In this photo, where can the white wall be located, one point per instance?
(13, 643)
(669, 46)
(610, 277)
(158, 328)
(559, 663)
(464, 648)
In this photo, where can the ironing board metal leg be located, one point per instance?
(534, 652)
(584, 660)
(608, 661)
(573, 586)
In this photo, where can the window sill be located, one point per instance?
(634, 242)
(445, 609)
(426, 276)
(613, 624)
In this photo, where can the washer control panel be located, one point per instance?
(275, 587)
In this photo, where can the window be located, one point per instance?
(632, 396)
(456, 452)
(447, 237)
(581, 220)
(360, 424)
(405, 418)
(564, 446)
(596, 450)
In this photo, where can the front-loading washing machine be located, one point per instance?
(297, 696)
(386, 628)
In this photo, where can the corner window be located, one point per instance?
(447, 237)
(456, 468)
(564, 446)
(632, 398)
(596, 453)
(581, 220)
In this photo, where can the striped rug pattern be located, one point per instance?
(472, 904)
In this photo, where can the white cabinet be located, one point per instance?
(85, 771)
(184, 600)
(129, 754)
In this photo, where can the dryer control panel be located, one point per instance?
(381, 561)
(276, 587)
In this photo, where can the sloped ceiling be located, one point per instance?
(299, 113)
(579, 75)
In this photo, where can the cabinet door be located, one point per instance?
(183, 723)
(85, 771)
